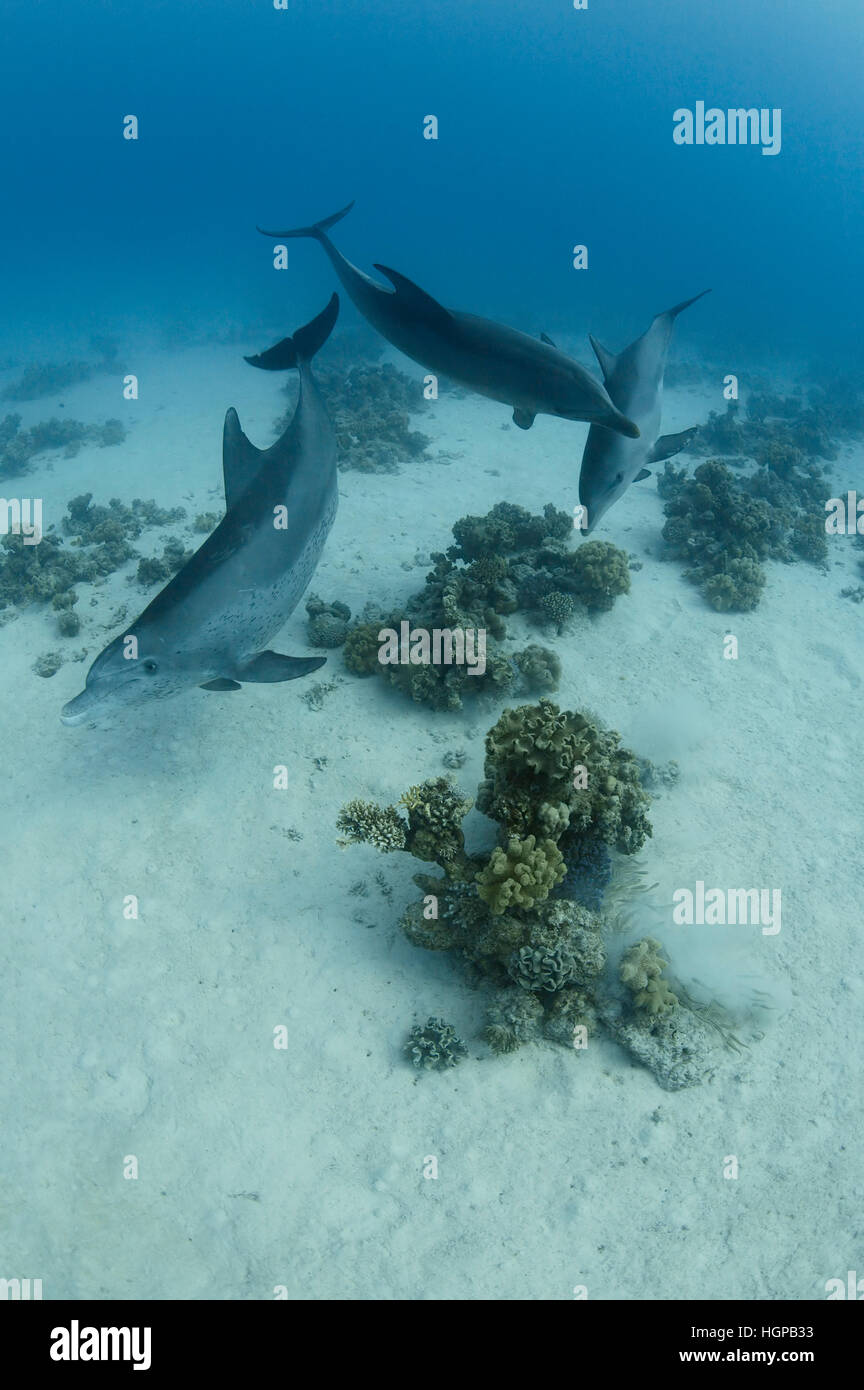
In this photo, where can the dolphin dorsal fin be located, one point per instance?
(606, 358)
(240, 459)
(418, 300)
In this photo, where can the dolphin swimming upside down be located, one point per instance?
(529, 374)
(210, 625)
(634, 379)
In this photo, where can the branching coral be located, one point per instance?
(362, 822)
(436, 810)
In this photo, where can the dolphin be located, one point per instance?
(634, 380)
(210, 625)
(529, 374)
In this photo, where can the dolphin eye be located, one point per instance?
(150, 666)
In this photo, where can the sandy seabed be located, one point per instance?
(304, 1167)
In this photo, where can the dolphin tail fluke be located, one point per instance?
(302, 346)
(317, 230)
(685, 304)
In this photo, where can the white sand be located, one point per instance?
(303, 1168)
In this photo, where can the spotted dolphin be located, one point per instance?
(634, 379)
(529, 374)
(211, 623)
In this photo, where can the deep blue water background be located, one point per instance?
(555, 128)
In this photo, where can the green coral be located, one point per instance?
(505, 561)
(362, 822)
(539, 668)
(436, 810)
(544, 957)
(601, 573)
(557, 609)
(370, 407)
(18, 447)
(641, 971)
(726, 527)
(809, 540)
(97, 542)
(537, 755)
(737, 589)
(360, 652)
(508, 527)
(522, 875)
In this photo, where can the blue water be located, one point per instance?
(555, 127)
(302, 1170)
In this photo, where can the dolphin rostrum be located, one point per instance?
(634, 380)
(529, 374)
(211, 623)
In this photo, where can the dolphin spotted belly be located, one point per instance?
(211, 623)
(530, 375)
(634, 379)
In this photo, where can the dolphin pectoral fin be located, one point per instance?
(670, 444)
(241, 461)
(418, 300)
(271, 667)
(643, 473)
(221, 683)
(606, 358)
(544, 338)
(523, 418)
